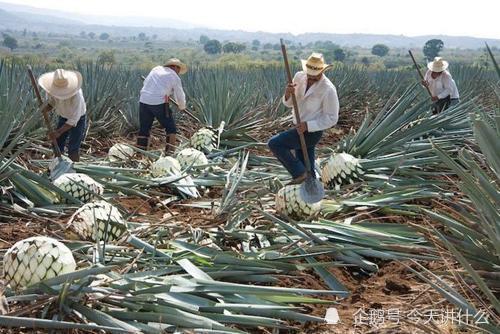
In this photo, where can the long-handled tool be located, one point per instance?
(435, 106)
(419, 72)
(311, 190)
(62, 166)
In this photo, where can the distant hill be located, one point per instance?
(80, 19)
(19, 17)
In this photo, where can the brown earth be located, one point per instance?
(393, 288)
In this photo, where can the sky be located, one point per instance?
(478, 18)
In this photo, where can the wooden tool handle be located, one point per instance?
(419, 72)
(296, 108)
(55, 146)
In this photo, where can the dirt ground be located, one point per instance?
(392, 300)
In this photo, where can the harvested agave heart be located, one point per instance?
(36, 259)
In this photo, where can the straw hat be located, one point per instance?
(438, 65)
(177, 62)
(61, 84)
(315, 64)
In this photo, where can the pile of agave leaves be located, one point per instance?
(224, 278)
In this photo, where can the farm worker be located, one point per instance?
(65, 96)
(161, 83)
(442, 86)
(319, 110)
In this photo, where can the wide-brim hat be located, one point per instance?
(315, 64)
(176, 62)
(61, 84)
(438, 65)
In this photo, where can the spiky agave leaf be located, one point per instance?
(80, 186)
(98, 221)
(290, 203)
(35, 259)
(341, 169)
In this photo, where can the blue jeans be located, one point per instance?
(147, 115)
(454, 102)
(75, 134)
(282, 145)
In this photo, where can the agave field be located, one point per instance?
(212, 241)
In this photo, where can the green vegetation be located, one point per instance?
(212, 46)
(207, 248)
(104, 36)
(204, 39)
(380, 50)
(402, 149)
(9, 42)
(232, 47)
(432, 48)
(146, 50)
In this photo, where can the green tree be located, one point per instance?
(432, 48)
(92, 35)
(141, 36)
(204, 39)
(326, 45)
(256, 43)
(104, 36)
(267, 46)
(240, 47)
(10, 42)
(339, 54)
(380, 50)
(212, 46)
(228, 47)
(365, 61)
(232, 47)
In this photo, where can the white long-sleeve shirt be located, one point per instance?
(72, 109)
(319, 106)
(442, 86)
(162, 82)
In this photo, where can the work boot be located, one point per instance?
(142, 142)
(75, 156)
(170, 146)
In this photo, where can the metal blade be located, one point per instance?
(62, 167)
(311, 190)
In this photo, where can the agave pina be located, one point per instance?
(34, 259)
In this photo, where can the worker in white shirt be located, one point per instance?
(441, 85)
(161, 83)
(65, 96)
(319, 110)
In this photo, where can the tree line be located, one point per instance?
(330, 50)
